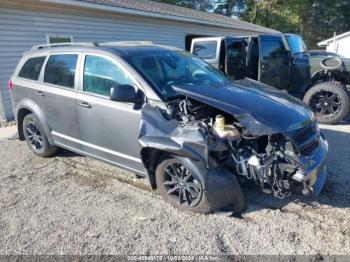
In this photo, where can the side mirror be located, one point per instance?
(124, 93)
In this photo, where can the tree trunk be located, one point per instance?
(229, 7)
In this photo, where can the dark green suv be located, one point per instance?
(284, 62)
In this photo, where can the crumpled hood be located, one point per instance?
(262, 109)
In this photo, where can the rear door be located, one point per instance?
(109, 129)
(273, 64)
(55, 95)
(235, 57)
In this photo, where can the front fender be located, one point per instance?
(221, 187)
(166, 135)
(35, 109)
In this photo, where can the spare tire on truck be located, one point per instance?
(329, 101)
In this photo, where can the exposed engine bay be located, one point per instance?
(274, 162)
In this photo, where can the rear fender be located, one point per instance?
(31, 106)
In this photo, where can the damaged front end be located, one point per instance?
(222, 144)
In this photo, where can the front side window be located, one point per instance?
(31, 68)
(60, 70)
(272, 49)
(101, 74)
(164, 69)
(205, 49)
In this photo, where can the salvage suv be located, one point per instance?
(164, 114)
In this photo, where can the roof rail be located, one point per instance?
(37, 47)
(128, 43)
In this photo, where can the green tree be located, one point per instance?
(277, 14)
(315, 20)
(321, 18)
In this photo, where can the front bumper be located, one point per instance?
(313, 174)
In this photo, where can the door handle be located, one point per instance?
(40, 93)
(85, 104)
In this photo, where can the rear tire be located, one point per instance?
(329, 101)
(35, 137)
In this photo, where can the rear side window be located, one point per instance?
(60, 70)
(205, 49)
(235, 49)
(31, 68)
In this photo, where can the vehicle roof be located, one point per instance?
(237, 36)
(122, 49)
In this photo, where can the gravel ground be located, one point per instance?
(74, 205)
(6, 123)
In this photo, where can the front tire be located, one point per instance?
(329, 101)
(183, 188)
(180, 187)
(35, 137)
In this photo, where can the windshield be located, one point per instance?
(164, 69)
(296, 44)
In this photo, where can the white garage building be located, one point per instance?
(24, 23)
(339, 44)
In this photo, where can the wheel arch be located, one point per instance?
(26, 107)
(150, 158)
(323, 75)
(220, 185)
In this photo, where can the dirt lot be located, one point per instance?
(69, 204)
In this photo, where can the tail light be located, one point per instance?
(10, 86)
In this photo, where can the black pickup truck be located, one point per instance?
(284, 62)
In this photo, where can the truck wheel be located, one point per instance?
(36, 137)
(183, 188)
(329, 101)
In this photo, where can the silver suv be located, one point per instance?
(160, 112)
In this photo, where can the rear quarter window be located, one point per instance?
(205, 49)
(31, 68)
(60, 70)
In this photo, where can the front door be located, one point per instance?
(109, 129)
(274, 63)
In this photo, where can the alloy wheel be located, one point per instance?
(182, 187)
(326, 103)
(34, 136)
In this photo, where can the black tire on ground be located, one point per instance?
(201, 207)
(330, 102)
(36, 138)
(200, 204)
